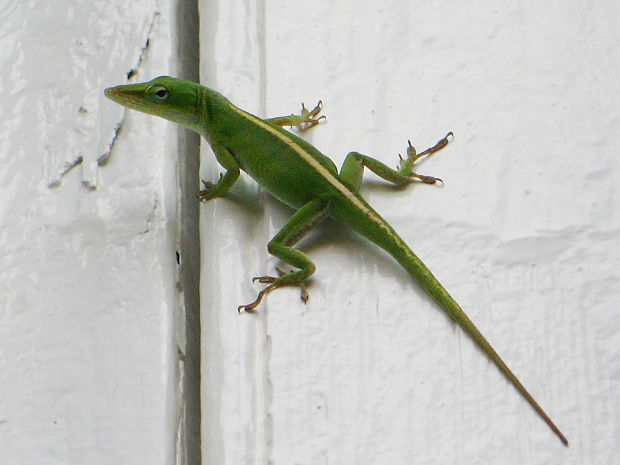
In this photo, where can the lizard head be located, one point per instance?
(170, 98)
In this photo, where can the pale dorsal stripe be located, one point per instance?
(324, 172)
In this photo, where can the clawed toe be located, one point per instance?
(273, 283)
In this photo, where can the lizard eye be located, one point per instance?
(161, 93)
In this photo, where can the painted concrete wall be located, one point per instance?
(524, 233)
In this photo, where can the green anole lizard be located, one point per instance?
(299, 175)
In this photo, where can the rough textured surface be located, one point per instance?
(524, 234)
(87, 350)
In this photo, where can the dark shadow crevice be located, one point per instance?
(186, 43)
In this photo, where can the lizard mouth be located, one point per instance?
(112, 93)
(127, 96)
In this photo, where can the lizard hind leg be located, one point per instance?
(353, 167)
(280, 246)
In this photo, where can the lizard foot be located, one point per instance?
(308, 116)
(210, 190)
(274, 283)
(304, 121)
(405, 166)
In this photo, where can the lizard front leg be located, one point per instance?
(220, 188)
(305, 120)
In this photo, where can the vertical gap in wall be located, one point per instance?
(188, 53)
(262, 65)
(264, 384)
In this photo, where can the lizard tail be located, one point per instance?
(384, 236)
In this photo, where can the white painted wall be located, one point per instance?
(90, 324)
(524, 234)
